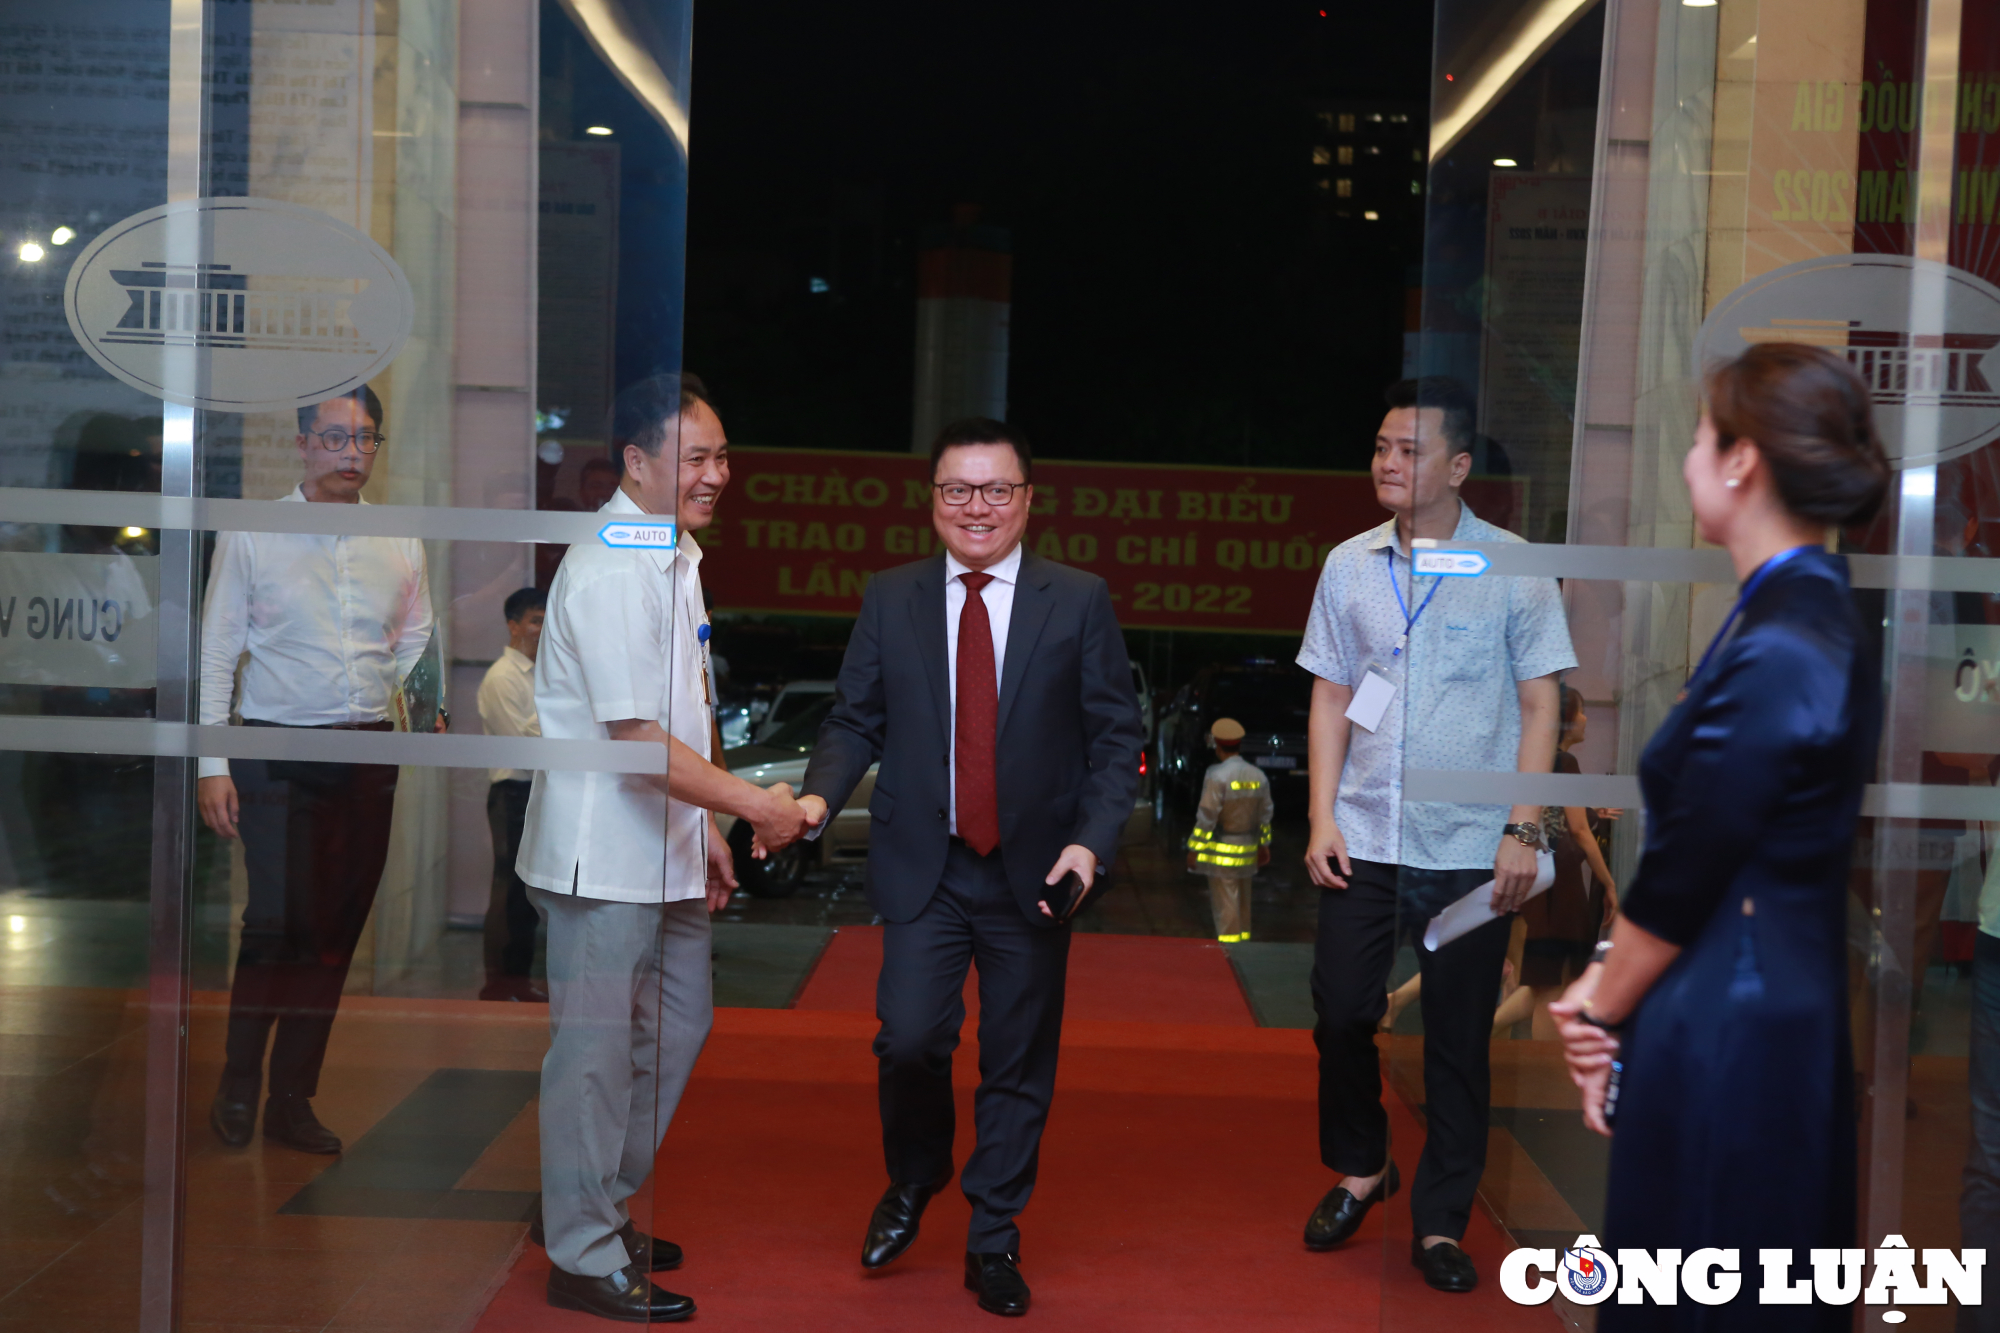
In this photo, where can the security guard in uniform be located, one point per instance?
(1232, 831)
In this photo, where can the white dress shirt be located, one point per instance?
(331, 624)
(507, 706)
(999, 598)
(621, 641)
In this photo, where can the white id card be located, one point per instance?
(1371, 701)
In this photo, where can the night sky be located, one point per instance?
(1179, 293)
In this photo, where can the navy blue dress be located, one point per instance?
(1735, 1124)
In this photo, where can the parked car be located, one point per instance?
(1271, 699)
(794, 700)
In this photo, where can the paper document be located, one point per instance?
(1371, 701)
(1475, 909)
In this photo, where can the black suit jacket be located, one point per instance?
(1067, 752)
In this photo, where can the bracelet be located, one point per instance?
(1584, 1015)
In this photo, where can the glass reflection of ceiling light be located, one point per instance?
(602, 131)
(1502, 63)
(135, 532)
(17, 924)
(30, 253)
(1699, 4)
(1505, 162)
(61, 236)
(1371, 215)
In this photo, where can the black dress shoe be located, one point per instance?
(997, 1279)
(650, 1253)
(1339, 1214)
(893, 1225)
(290, 1120)
(232, 1118)
(625, 1295)
(1444, 1265)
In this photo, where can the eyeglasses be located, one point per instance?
(999, 494)
(368, 441)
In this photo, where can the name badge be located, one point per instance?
(1371, 701)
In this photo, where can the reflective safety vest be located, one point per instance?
(1233, 819)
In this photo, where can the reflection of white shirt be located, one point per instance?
(507, 705)
(999, 599)
(332, 625)
(620, 641)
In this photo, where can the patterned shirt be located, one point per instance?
(1456, 701)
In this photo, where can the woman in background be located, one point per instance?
(1722, 993)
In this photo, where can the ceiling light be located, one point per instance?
(30, 253)
(61, 236)
(135, 533)
(1699, 4)
(601, 131)
(1505, 162)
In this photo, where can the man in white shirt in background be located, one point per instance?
(625, 867)
(331, 626)
(507, 708)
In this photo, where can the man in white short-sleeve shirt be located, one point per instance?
(625, 867)
(1418, 672)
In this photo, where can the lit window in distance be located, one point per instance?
(1321, 156)
(1347, 155)
(1505, 162)
(62, 236)
(1344, 188)
(601, 131)
(1347, 122)
(817, 285)
(1371, 215)
(30, 253)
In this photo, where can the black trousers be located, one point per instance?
(510, 917)
(1358, 934)
(315, 838)
(972, 919)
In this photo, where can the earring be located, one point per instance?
(1732, 482)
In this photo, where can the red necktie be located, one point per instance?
(975, 719)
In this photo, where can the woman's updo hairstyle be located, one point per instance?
(1808, 413)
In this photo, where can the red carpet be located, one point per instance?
(1178, 1168)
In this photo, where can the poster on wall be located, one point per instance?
(1183, 547)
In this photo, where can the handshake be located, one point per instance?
(778, 818)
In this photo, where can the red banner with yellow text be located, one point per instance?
(801, 531)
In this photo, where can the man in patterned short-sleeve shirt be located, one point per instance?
(1471, 663)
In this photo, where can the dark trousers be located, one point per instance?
(1979, 1199)
(510, 917)
(315, 838)
(920, 999)
(1358, 933)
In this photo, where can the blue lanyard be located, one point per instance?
(1764, 571)
(1409, 621)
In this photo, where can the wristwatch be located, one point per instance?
(1529, 835)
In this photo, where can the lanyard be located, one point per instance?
(1409, 620)
(1763, 572)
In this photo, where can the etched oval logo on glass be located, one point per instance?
(238, 305)
(1920, 333)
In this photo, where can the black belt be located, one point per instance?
(383, 725)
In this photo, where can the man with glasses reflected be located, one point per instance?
(326, 628)
(993, 687)
(1422, 673)
(624, 868)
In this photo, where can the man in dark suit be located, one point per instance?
(994, 688)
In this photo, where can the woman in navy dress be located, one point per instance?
(1723, 992)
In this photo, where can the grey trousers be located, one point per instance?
(630, 1002)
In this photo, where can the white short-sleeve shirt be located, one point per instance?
(1456, 705)
(622, 639)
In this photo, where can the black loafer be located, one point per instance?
(232, 1118)
(893, 1224)
(1444, 1265)
(290, 1120)
(625, 1295)
(1339, 1214)
(996, 1279)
